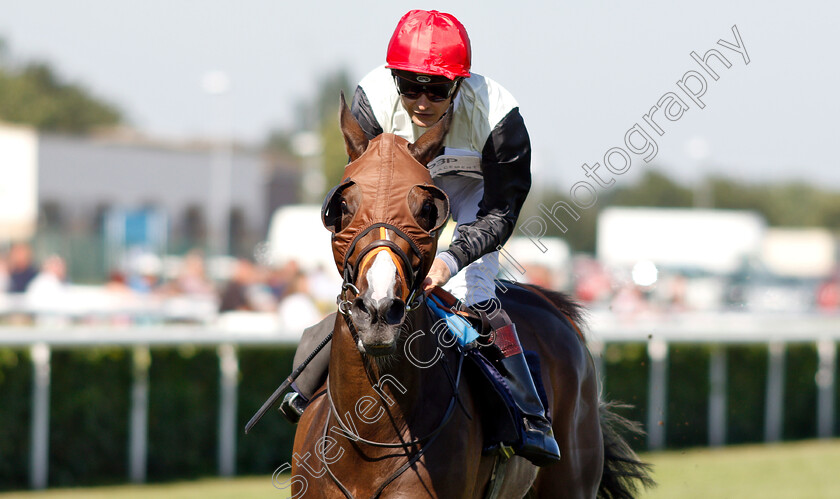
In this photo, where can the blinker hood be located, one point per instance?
(386, 173)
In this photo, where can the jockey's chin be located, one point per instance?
(424, 112)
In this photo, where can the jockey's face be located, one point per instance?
(424, 112)
(425, 97)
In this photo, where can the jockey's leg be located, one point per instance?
(538, 443)
(475, 285)
(315, 373)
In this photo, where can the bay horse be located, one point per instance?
(397, 417)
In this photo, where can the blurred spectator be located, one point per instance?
(192, 278)
(297, 310)
(4, 275)
(117, 283)
(146, 273)
(242, 291)
(593, 282)
(48, 288)
(828, 293)
(324, 285)
(537, 274)
(280, 278)
(21, 268)
(629, 300)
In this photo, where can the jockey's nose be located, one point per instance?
(387, 311)
(423, 102)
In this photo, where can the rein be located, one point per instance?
(428, 439)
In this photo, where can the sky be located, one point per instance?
(583, 73)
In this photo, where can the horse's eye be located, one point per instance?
(427, 215)
(426, 211)
(345, 208)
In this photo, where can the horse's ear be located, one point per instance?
(355, 140)
(428, 145)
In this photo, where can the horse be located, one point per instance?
(397, 415)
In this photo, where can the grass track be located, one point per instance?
(208, 488)
(786, 471)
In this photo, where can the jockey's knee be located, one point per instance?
(315, 372)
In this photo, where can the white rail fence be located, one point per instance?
(717, 330)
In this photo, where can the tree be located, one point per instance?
(654, 189)
(334, 156)
(35, 96)
(320, 115)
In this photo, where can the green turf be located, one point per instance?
(210, 488)
(793, 470)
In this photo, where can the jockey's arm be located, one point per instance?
(506, 167)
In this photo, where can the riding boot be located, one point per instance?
(538, 443)
(315, 373)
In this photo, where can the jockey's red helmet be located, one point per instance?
(430, 42)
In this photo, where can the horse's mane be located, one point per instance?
(565, 303)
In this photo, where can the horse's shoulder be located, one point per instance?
(311, 425)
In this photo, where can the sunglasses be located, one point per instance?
(436, 92)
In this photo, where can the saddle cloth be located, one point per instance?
(502, 421)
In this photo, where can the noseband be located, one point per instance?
(409, 274)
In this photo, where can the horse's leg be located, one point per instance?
(575, 413)
(570, 381)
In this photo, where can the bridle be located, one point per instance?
(409, 274)
(411, 283)
(455, 382)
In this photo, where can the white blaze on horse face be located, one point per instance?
(382, 277)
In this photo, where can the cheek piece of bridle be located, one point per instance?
(410, 275)
(384, 177)
(385, 174)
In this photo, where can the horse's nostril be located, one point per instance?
(394, 312)
(360, 306)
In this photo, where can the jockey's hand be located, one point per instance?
(438, 276)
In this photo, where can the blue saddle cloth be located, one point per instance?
(505, 426)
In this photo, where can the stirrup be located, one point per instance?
(293, 406)
(538, 443)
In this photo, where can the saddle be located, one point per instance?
(473, 331)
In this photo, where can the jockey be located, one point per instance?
(484, 168)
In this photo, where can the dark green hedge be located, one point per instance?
(91, 389)
(15, 406)
(89, 415)
(626, 380)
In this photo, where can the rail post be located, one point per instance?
(657, 393)
(138, 432)
(774, 406)
(229, 367)
(717, 396)
(826, 381)
(40, 443)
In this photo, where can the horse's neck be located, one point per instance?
(401, 387)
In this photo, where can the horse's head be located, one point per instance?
(385, 218)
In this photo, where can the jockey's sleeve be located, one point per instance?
(363, 113)
(506, 166)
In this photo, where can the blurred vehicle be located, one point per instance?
(755, 289)
(297, 234)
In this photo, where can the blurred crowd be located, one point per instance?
(178, 289)
(191, 288)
